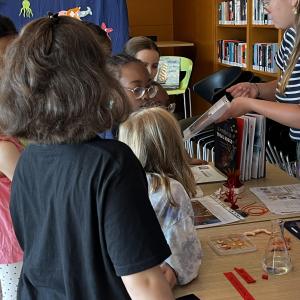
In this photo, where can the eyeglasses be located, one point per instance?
(139, 91)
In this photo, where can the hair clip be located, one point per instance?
(106, 29)
(51, 15)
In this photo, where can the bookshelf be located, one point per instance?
(247, 31)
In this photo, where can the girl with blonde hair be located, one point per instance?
(154, 136)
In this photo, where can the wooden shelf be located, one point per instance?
(250, 33)
(171, 44)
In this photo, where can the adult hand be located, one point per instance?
(238, 107)
(169, 274)
(244, 89)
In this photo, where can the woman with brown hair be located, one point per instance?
(79, 204)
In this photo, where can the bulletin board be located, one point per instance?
(112, 12)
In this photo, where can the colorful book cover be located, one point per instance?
(226, 139)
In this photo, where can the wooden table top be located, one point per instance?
(274, 176)
(211, 283)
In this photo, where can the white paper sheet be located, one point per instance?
(282, 199)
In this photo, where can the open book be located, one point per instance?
(209, 211)
(209, 117)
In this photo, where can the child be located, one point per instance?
(154, 136)
(79, 203)
(134, 78)
(11, 254)
(145, 50)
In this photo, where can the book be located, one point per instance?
(207, 173)
(226, 153)
(209, 211)
(168, 72)
(208, 118)
(240, 146)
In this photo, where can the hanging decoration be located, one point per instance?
(106, 29)
(26, 10)
(76, 12)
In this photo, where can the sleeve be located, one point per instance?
(183, 241)
(279, 57)
(133, 236)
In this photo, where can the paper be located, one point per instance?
(282, 199)
(210, 211)
(209, 117)
(207, 173)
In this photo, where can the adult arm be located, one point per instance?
(9, 156)
(265, 90)
(284, 113)
(148, 285)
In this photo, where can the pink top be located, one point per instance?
(10, 251)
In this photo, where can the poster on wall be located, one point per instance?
(111, 12)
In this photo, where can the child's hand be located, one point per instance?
(169, 274)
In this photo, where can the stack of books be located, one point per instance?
(240, 146)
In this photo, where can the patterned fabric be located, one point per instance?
(292, 92)
(112, 12)
(10, 251)
(9, 279)
(178, 228)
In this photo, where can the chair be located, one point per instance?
(213, 87)
(186, 65)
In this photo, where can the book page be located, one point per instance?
(208, 118)
(210, 211)
(282, 199)
(207, 173)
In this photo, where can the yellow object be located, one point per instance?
(186, 65)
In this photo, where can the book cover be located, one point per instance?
(168, 72)
(226, 154)
(209, 117)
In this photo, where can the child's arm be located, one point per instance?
(9, 155)
(169, 274)
(182, 238)
(148, 285)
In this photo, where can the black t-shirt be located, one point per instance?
(83, 218)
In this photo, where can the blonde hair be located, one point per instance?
(154, 136)
(295, 54)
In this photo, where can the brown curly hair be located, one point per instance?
(55, 87)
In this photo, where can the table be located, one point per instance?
(171, 44)
(211, 284)
(274, 176)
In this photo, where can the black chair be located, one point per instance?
(213, 87)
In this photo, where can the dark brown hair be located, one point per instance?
(116, 62)
(139, 43)
(7, 27)
(55, 87)
(102, 35)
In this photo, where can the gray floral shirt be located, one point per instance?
(178, 228)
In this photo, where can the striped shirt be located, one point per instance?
(292, 91)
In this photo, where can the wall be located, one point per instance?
(193, 22)
(151, 17)
(189, 20)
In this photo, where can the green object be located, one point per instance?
(26, 10)
(186, 65)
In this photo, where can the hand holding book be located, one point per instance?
(209, 117)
